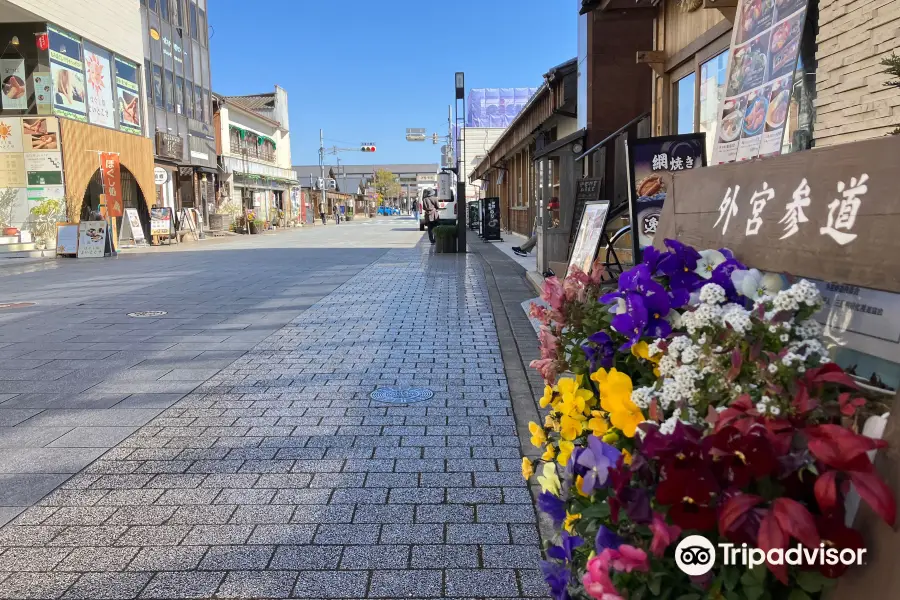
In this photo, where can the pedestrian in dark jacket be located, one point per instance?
(430, 209)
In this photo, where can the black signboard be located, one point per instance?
(491, 225)
(648, 159)
(586, 190)
(169, 146)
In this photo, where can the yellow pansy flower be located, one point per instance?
(527, 468)
(538, 437)
(549, 480)
(551, 422)
(572, 405)
(547, 397)
(567, 386)
(626, 456)
(569, 523)
(570, 428)
(579, 482)
(615, 398)
(549, 453)
(565, 451)
(597, 424)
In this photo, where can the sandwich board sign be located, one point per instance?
(132, 233)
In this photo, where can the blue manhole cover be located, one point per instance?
(401, 396)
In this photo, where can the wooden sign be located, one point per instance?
(830, 213)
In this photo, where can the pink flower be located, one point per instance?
(552, 293)
(549, 342)
(597, 582)
(663, 535)
(547, 367)
(539, 312)
(574, 288)
(597, 271)
(627, 558)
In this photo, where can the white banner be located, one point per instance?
(98, 82)
(14, 94)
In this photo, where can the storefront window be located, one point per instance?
(207, 113)
(712, 90)
(201, 24)
(158, 86)
(151, 4)
(164, 9)
(685, 103)
(198, 103)
(179, 95)
(169, 92)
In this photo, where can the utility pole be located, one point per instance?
(322, 169)
(462, 208)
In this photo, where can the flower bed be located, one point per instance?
(696, 398)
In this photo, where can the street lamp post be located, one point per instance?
(461, 207)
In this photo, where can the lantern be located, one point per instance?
(42, 40)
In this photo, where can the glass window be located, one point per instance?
(179, 95)
(207, 109)
(201, 25)
(158, 86)
(169, 91)
(712, 90)
(685, 103)
(193, 15)
(151, 4)
(198, 103)
(164, 9)
(189, 99)
(177, 17)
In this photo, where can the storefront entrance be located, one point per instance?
(132, 197)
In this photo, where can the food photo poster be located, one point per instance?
(765, 44)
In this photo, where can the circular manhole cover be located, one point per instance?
(144, 314)
(15, 304)
(401, 396)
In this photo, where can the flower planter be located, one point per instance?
(10, 231)
(254, 228)
(445, 245)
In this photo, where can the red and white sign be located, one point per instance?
(112, 183)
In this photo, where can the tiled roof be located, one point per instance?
(255, 102)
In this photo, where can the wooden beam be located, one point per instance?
(655, 58)
(728, 8)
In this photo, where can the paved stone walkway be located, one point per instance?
(278, 477)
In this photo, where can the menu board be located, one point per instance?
(128, 96)
(161, 221)
(91, 239)
(67, 72)
(590, 230)
(99, 86)
(492, 219)
(66, 238)
(648, 158)
(765, 44)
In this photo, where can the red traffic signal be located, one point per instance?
(367, 149)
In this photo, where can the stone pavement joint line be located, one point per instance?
(278, 477)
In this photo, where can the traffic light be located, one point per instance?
(434, 138)
(367, 149)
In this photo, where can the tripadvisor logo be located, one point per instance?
(695, 555)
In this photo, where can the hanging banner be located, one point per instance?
(40, 134)
(99, 87)
(67, 71)
(14, 95)
(128, 96)
(91, 239)
(41, 82)
(765, 44)
(112, 182)
(648, 160)
(132, 233)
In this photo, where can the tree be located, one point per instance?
(386, 184)
(893, 69)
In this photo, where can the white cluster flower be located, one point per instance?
(654, 348)
(643, 397)
(804, 292)
(712, 293)
(768, 406)
(785, 301)
(808, 330)
(773, 368)
(738, 317)
(667, 365)
(689, 356)
(668, 426)
(705, 315)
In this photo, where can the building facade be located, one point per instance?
(175, 37)
(253, 143)
(75, 73)
(410, 177)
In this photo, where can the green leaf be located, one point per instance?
(691, 596)
(731, 577)
(753, 592)
(798, 594)
(655, 585)
(811, 581)
(600, 510)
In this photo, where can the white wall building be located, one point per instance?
(254, 146)
(478, 140)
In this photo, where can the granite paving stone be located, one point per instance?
(244, 458)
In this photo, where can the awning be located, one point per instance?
(572, 137)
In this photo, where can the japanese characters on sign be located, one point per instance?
(648, 160)
(753, 110)
(492, 219)
(112, 183)
(829, 213)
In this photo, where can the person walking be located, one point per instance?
(343, 213)
(415, 209)
(430, 208)
(322, 213)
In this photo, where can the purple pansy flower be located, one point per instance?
(652, 258)
(633, 322)
(568, 543)
(552, 507)
(597, 458)
(607, 539)
(557, 578)
(600, 352)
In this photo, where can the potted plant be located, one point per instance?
(43, 219)
(7, 203)
(257, 226)
(446, 238)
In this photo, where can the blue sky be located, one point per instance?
(386, 65)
